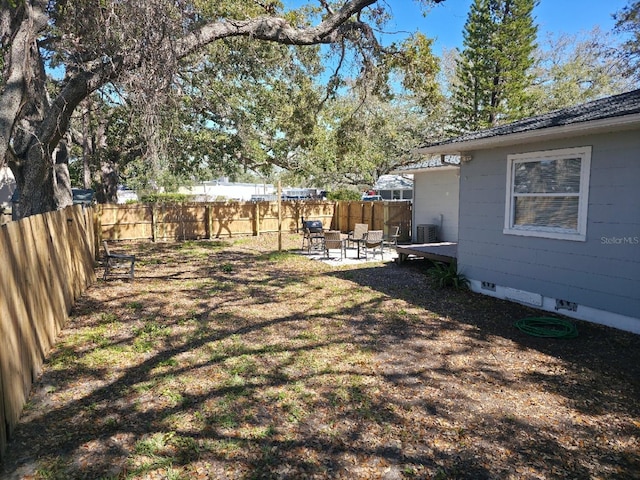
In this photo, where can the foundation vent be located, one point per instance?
(566, 305)
(488, 286)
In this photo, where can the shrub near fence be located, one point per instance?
(48, 261)
(192, 221)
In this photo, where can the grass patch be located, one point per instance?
(282, 256)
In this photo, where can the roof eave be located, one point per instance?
(626, 122)
(439, 168)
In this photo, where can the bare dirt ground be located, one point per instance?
(231, 360)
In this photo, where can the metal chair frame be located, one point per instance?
(373, 241)
(333, 240)
(358, 233)
(392, 239)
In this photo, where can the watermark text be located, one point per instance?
(630, 240)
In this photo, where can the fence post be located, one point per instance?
(385, 219)
(97, 231)
(208, 221)
(256, 218)
(153, 222)
(279, 215)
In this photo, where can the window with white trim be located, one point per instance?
(547, 193)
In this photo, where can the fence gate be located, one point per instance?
(398, 214)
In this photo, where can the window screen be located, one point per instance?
(547, 193)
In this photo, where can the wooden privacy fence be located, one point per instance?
(191, 221)
(47, 263)
(378, 215)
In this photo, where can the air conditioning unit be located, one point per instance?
(427, 233)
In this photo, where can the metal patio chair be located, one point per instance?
(355, 236)
(333, 240)
(373, 241)
(392, 240)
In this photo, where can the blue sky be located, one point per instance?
(446, 21)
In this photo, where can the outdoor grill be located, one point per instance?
(314, 226)
(313, 236)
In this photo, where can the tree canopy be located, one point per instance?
(574, 69)
(138, 48)
(163, 92)
(628, 22)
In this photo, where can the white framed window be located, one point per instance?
(548, 193)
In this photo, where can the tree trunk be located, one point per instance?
(42, 180)
(107, 187)
(31, 144)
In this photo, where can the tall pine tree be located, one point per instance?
(493, 70)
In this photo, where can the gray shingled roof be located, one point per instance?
(604, 108)
(431, 162)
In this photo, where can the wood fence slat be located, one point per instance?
(11, 310)
(3, 421)
(47, 262)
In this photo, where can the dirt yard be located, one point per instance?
(231, 360)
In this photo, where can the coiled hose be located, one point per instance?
(547, 327)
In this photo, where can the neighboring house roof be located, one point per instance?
(618, 112)
(393, 182)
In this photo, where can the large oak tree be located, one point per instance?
(135, 44)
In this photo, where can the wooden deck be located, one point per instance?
(445, 252)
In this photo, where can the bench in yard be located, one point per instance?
(114, 260)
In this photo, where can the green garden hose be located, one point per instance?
(547, 327)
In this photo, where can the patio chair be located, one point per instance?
(355, 236)
(312, 235)
(392, 239)
(373, 241)
(333, 240)
(113, 260)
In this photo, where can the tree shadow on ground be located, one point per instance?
(231, 361)
(594, 377)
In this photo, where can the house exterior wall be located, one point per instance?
(210, 191)
(600, 275)
(436, 201)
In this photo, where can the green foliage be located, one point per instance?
(417, 67)
(628, 22)
(257, 106)
(227, 267)
(447, 275)
(494, 68)
(247, 105)
(164, 198)
(574, 69)
(344, 194)
(358, 139)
